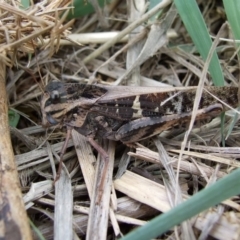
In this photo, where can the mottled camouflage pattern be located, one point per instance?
(127, 119)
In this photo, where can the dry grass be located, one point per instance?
(34, 48)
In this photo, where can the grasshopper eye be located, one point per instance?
(51, 120)
(57, 97)
(54, 95)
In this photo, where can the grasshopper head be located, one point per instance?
(53, 104)
(68, 103)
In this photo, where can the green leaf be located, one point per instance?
(196, 27)
(232, 9)
(25, 4)
(152, 4)
(221, 190)
(13, 118)
(36, 230)
(83, 8)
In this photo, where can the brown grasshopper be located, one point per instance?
(127, 114)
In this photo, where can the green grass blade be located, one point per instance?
(83, 8)
(232, 9)
(36, 230)
(25, 4)
(13, 118)
(221, 190)
(196, 27)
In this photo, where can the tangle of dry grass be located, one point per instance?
(23, 30)
(30, 47)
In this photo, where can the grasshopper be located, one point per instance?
(127, 114)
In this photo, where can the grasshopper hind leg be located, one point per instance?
(143, 128)
(146, 127)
